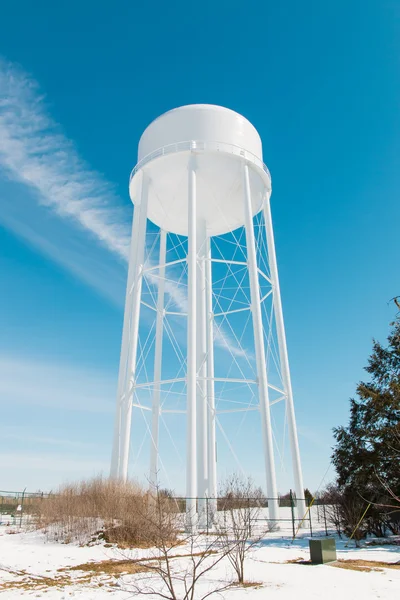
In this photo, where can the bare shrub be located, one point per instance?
(242, 527)
(332, 500)
(344, 509)
(116, 511)
(174, 567)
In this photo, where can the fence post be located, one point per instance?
(292, 511)
(309, 513)
(224, 508)
(326, 528)
(22, 508)
(249, 516)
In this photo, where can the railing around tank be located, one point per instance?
(201, 147)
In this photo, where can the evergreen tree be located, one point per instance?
(308, 496)
(367, 451)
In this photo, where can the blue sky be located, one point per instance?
(78, 84)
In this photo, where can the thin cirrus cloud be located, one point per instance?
(35, 152)
(28, 382)
(44, 471)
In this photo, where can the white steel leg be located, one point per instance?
(212, 454)
(284, 360)
(201, 368)
(126, 337)
(157, 365)
(273, 508)
(115, 458)
(191, 470)
(128, 390)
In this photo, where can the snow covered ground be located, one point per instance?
(31, 566)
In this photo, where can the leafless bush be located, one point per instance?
(118, 512)
(344, 509)
(242, 528)
(332, 500)
(236, 492)
(174, 568)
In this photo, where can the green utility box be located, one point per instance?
(322, 551)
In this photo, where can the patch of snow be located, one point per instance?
(267, 564)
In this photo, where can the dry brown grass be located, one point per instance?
(364, 565)
(296, 561)
(250, 584)
(351, 564)
(120, 513)
(113, 568)
(91, 571)
(127, 566)
(28, 581)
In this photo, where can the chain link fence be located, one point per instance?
(22, 508)
(315, 521)
(18, 508)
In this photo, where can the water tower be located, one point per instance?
(201, 206)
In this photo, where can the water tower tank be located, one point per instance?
(220, 138)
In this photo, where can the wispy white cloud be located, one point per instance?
(35, 152)
(63, 426)
(34, 383)
(64, 464)
(42, 471)
(23, 434)
(39, 228)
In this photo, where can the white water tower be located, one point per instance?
(201, 191)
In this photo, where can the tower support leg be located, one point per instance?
(122, 429)
(201, 368)
(191, 458)
(116, 450)
(284, 360)
(212, 450)
(155, 423)
(273, 508)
